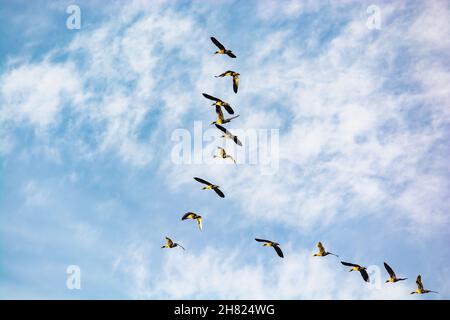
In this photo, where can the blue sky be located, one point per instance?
(87, 177)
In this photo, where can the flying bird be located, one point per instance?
(392, 276)
(220, 118)
(227, 135)
(193, 216)
(210, 186)
(356, 267)
(219, 103)
(222, 49)
(170, 244)
(275, 245)
(420, 289)
(223, 154)
(235, 76)
(322, 251)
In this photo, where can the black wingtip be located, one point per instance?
(229, 109)
(218, 126)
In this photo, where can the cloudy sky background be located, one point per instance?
(86, 124)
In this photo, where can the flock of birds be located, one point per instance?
(219, 104)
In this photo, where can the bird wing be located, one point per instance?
(188, 215)
(389, 270)
(219, 192)
(321, 248)
(419, 282)
(228, 108)
(222, 129)
(348, 264)
(235, 83)
(232, 159)
(333, 254)
(279, 252)
(229, 119)
(217, 43)
(199, 222)
(237, 141)
(263, 240)
(202, 181)
(169, 241)
(180, 246)
(231, 54)
(207, 96)
(364, 275)
(219, 113)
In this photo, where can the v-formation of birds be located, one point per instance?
(219, 104)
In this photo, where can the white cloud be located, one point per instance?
(35, 93)
(218, 274)
(116, 81)
(347, 148)
(338, 158)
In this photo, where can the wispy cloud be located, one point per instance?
(363, 139)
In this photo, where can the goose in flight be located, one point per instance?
(392, 276)
(420, 289)
(193, 216)
(223, 154)
(228, 135)
(275, 245)
(356, 267)
(170, 244)
(210, 186)
(235, 77)
(219, 102)
(222, 49)
(322, 251)
(220, 118)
